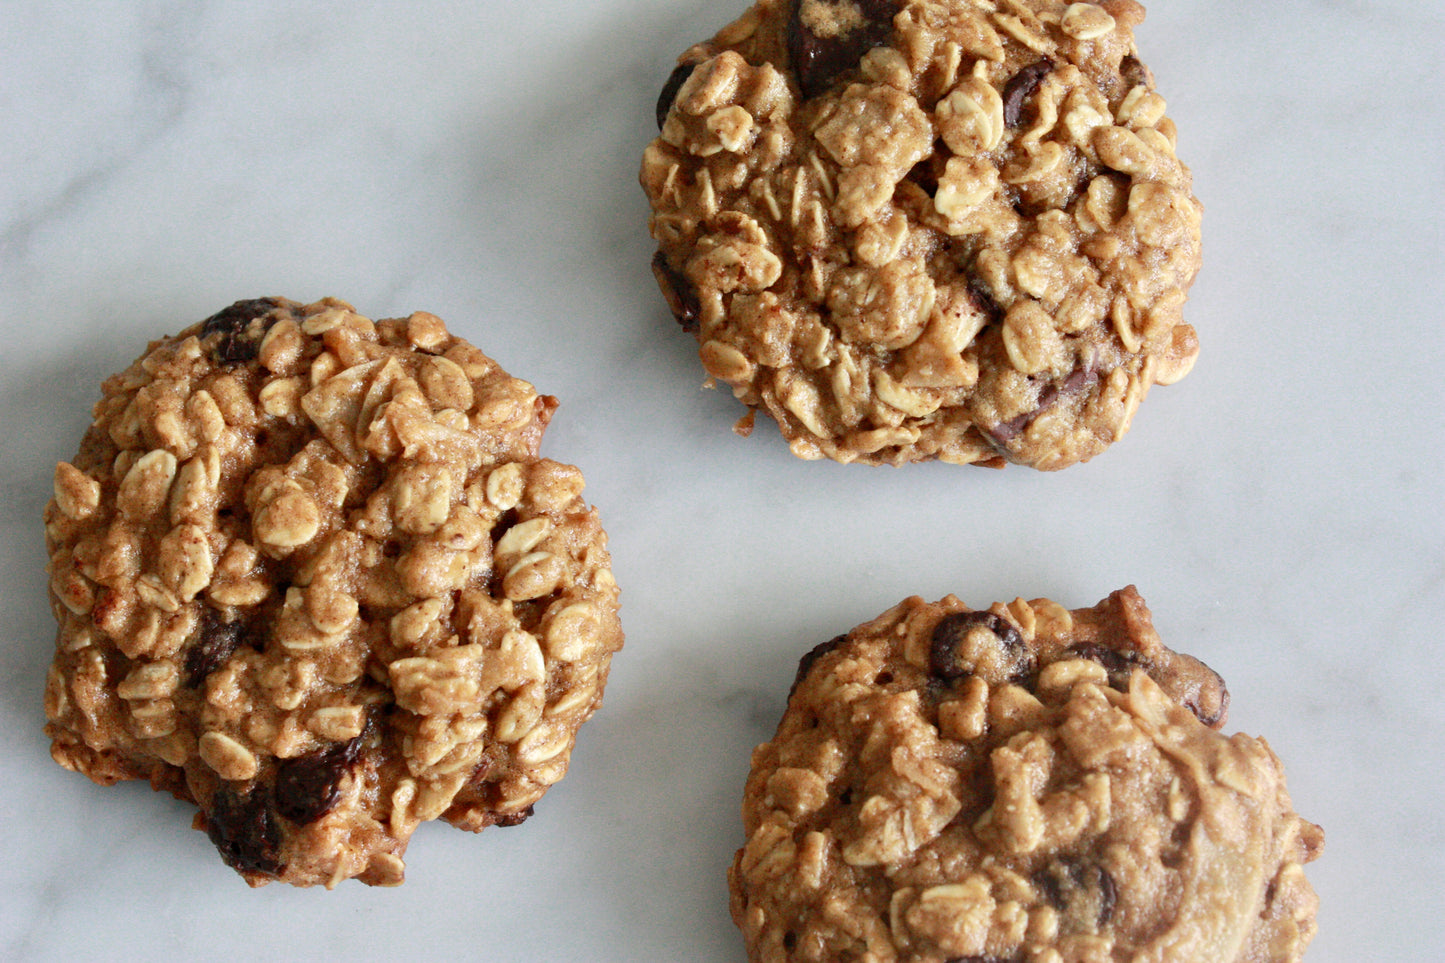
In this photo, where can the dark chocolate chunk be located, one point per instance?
(1211, 715)
(819, 52)
(1119, 665)
(681, 298)
(1020, 86)
(236, 317)
(675, 80)
(1005, 431)
(513, 819)
(1078, 889)
(950, 633)
(309, 786)
(805, 664)
(214, 646)
(984, 302)
(1135, 72)
(1077, 380)
(235, 349)
(1108, 896)
(241, 327)
(1047, 882)
(244, 831)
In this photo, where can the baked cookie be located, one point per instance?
(311, 575)
(1024, 783)
(927, 230)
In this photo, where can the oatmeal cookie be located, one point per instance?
(1024, 783)
(927, 229)
(311, 575)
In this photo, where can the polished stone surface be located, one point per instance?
(1281, 508)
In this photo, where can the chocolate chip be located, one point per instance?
(1020, 86)
(1006, 431)
(235, 349)
(832, 43)
(681, 298)
(984, 302)
(1108, 896)
(1077, 380)
(1206, 697)
(513, 819)
(1210, 704)
(1211, 715)
(1119, 665)
(244, 831)
(309, 786)
(236, 317)
(805, 664)
(675, 80)
(1134, 72)
(1046, 881)
(240, 339)
(951, 634)
(1078, 888)
(214, 646)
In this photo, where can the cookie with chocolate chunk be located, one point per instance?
(912, 230)
(1020, 783)
(312, 575)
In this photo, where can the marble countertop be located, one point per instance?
(1281, 508)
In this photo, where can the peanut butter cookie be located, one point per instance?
(311, 575)
(1024, 783)
(927, 229)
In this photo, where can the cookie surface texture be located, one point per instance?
(311, 575)
(1024, 783)
(927, 230)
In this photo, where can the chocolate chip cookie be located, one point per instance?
(913, 230)
(1020, 783)
(311, 575)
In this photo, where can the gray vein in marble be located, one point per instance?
(163, 92)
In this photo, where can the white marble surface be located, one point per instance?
(1280, 509)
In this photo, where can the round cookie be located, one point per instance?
(311, 575)
(913, 230)
(1024, 783)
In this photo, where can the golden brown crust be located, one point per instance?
(1020, 783)
(311, 574)
(921, 230)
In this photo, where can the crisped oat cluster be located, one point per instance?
(927, 229)
(1024, 783)
(311, 574)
